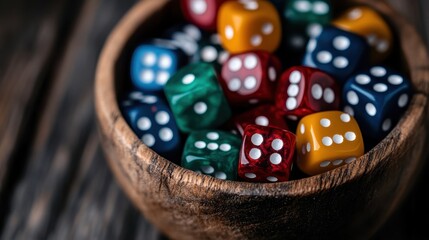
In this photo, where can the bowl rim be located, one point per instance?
(109, 114)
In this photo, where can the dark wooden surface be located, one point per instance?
(54, 181)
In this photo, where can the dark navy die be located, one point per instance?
(132, 102)
(337, 52)
(152, 121)
(377, 98)
(294, 43)
(153, 64)
(210, 50)
(186, 37)
(279, 5)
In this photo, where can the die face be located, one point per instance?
(185, 37)
(302, 20)
(157, 128)
(303, 90)
(377, 97)
(308, 11)
(249, 26)
(369, 24)
(250, 78)
(214, 153)
(266, 154)
(327, 140)
(190, 30)
(202, 13)
(152, 121)
(153, 64)
(264, 115)
(210, 50)
(133, 100)
(295, 40)
(294, 43)
(337, 52)
(196, 99)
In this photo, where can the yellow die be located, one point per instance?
(327, 140)
(365, 21)
(248, 26)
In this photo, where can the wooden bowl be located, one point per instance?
(349, 202)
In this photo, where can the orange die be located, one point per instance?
(249, 25)
(327, 140)
(365, 21)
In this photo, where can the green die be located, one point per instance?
(308, 12)
(196, 99)
(214, 153)
(302, 20)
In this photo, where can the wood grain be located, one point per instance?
(31, 40)
(29, 43)
(65, 139)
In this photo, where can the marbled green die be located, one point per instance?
(306, 17)
(308, 11)
(214, 153)
(196, 98)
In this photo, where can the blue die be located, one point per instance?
(337, 52)
(153, 64)
(132, 102)
(152, 121)
(377, 98)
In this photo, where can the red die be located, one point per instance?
(304, 90)
(266, 155)
(263, 115)
(250, 77)
(202, 13)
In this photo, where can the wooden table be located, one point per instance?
(54, 181)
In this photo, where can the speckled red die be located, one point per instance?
(304, 90)
(250, 78)
(263, 115)
(202, 13)
(266, 154)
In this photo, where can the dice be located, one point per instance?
(263, 115)
(249, 26)
(294, 43)
(202, 13)
(266, 155)
(337, 52)
(304, 90)
(368, 23)
(211, 51)
(377, 97)
(214, 153)
(308, 12)
(185, 37)
(327, 140)
(196, 99)
(152, 64)
(303, 19)
(152, 121)
(250, 78)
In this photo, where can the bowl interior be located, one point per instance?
(185, 205)
(157, 23)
